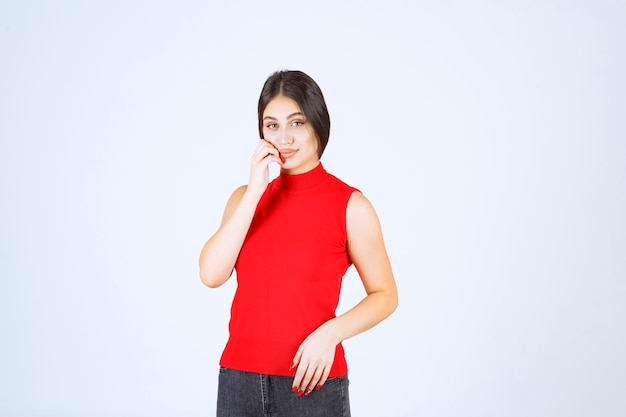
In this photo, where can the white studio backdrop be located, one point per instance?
(489, 136)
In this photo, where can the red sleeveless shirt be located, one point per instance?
(289, 273)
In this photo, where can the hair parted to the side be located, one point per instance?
(301, 88)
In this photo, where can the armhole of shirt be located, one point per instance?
(349, 193)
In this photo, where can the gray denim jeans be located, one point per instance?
(247, 394)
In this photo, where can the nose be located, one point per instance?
(284, 137)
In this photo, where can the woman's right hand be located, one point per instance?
(263, 156)
(220, 252)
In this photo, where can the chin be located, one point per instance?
(297, 165)
(290, 164)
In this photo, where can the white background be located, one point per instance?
(489, 135)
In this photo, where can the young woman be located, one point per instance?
(291, 241)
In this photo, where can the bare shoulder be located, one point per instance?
(236, 196)
(360, 208)
(233, 201)
(366, 246)
(239, 192)
(362, 223)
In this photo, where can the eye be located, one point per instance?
(297, 123)
(272, 126)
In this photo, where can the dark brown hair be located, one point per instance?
(302, 89)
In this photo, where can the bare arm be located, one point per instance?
(367, 251)
(220, 252)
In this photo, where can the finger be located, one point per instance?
(314, 380)
(323, 379)
(266, 156)
(271, 158)
(298, 376)
(299, 379)
(275, 147)
(268, 142)
(270, 155)
(264, 150)
(296, 358)
(308, 380)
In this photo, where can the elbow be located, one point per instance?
(211, 280)
(393, 302)
(209, 283)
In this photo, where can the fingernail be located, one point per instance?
(308, 391)
(318, 388)
(300, 393)
(293, 389)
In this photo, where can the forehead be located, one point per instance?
(281, 106)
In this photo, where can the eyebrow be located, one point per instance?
(288, 117)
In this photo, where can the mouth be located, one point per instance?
(287, 153)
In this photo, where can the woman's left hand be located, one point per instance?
(314, 359)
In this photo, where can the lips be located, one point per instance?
(287, 153)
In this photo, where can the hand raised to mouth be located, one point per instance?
(274, 146)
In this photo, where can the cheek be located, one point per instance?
(315, 143)
(311, 145)
(312, 138)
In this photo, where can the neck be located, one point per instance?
(304, 180)
(300, 169)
